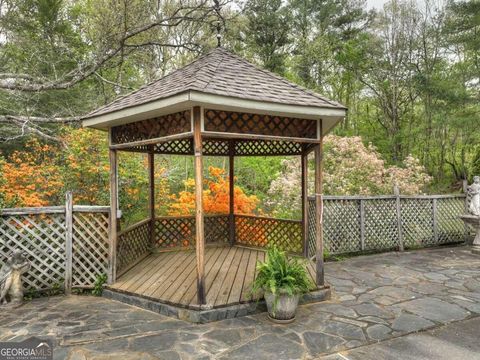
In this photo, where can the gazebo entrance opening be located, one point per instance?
(227, 246)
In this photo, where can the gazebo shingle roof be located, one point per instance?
(221, 73)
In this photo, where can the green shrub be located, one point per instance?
(98, 285)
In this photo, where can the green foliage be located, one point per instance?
(98, 285)
(280, 274)
(268, 32)
(2, 183)
(407, 73)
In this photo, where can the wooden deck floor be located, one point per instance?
(170, 277)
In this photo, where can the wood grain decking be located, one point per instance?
(170, 277)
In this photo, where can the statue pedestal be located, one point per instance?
(474, 222)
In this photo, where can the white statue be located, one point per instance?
(473, 197)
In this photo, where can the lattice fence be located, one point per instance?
(41, 234)
(261, 232)
(354, 224)
(89, 247)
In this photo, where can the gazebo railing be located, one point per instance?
(259, 231)
(178, 232)
(133, 244)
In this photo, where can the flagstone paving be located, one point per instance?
(376, 298)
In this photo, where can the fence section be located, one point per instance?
(43, 235)
(354, 223)
(89, 245)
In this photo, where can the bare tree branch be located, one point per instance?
(27, 83)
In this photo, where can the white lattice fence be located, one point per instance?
(41, 237)
(89, 247)
(42, 233)
(355, 223)
(343, 219)
(380, 224)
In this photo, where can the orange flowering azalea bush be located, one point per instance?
(31, 178)
(40, 174)
(215, 196)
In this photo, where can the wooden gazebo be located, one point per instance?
(219, 105)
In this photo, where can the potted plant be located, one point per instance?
(282, 280)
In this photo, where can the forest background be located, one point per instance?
(408, 73)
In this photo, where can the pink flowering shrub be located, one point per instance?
(350, 168)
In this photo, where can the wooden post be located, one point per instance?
(68, 241)
(320, 278)
(362, 225)
(396, 191)
(199, 221)
(304, 164)
(112, 238)
(231, 176)
(151, 194)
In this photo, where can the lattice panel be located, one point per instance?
(341, 226)
(220, 147)
(89, 248)
(132, 243)
(216, 228)
(381, 225)
(450, 227)
(215, 147)
(42, 239)
(261, 232)
(417, 222)
(173, 232)
(152, 128)
(266, 148)
(246, 123)
(312, 231)
(175, 147)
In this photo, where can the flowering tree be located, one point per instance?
(351, 168)
(215, 196)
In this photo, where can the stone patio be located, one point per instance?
(376, 297)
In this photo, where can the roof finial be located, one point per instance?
(217, 9)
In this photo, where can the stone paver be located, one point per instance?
(376, 298)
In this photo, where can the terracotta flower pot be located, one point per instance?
(283, 308)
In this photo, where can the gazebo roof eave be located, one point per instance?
(188, 99)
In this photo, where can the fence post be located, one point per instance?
(435, 220)
(362, 224)
(396, 191)
(68, 241)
